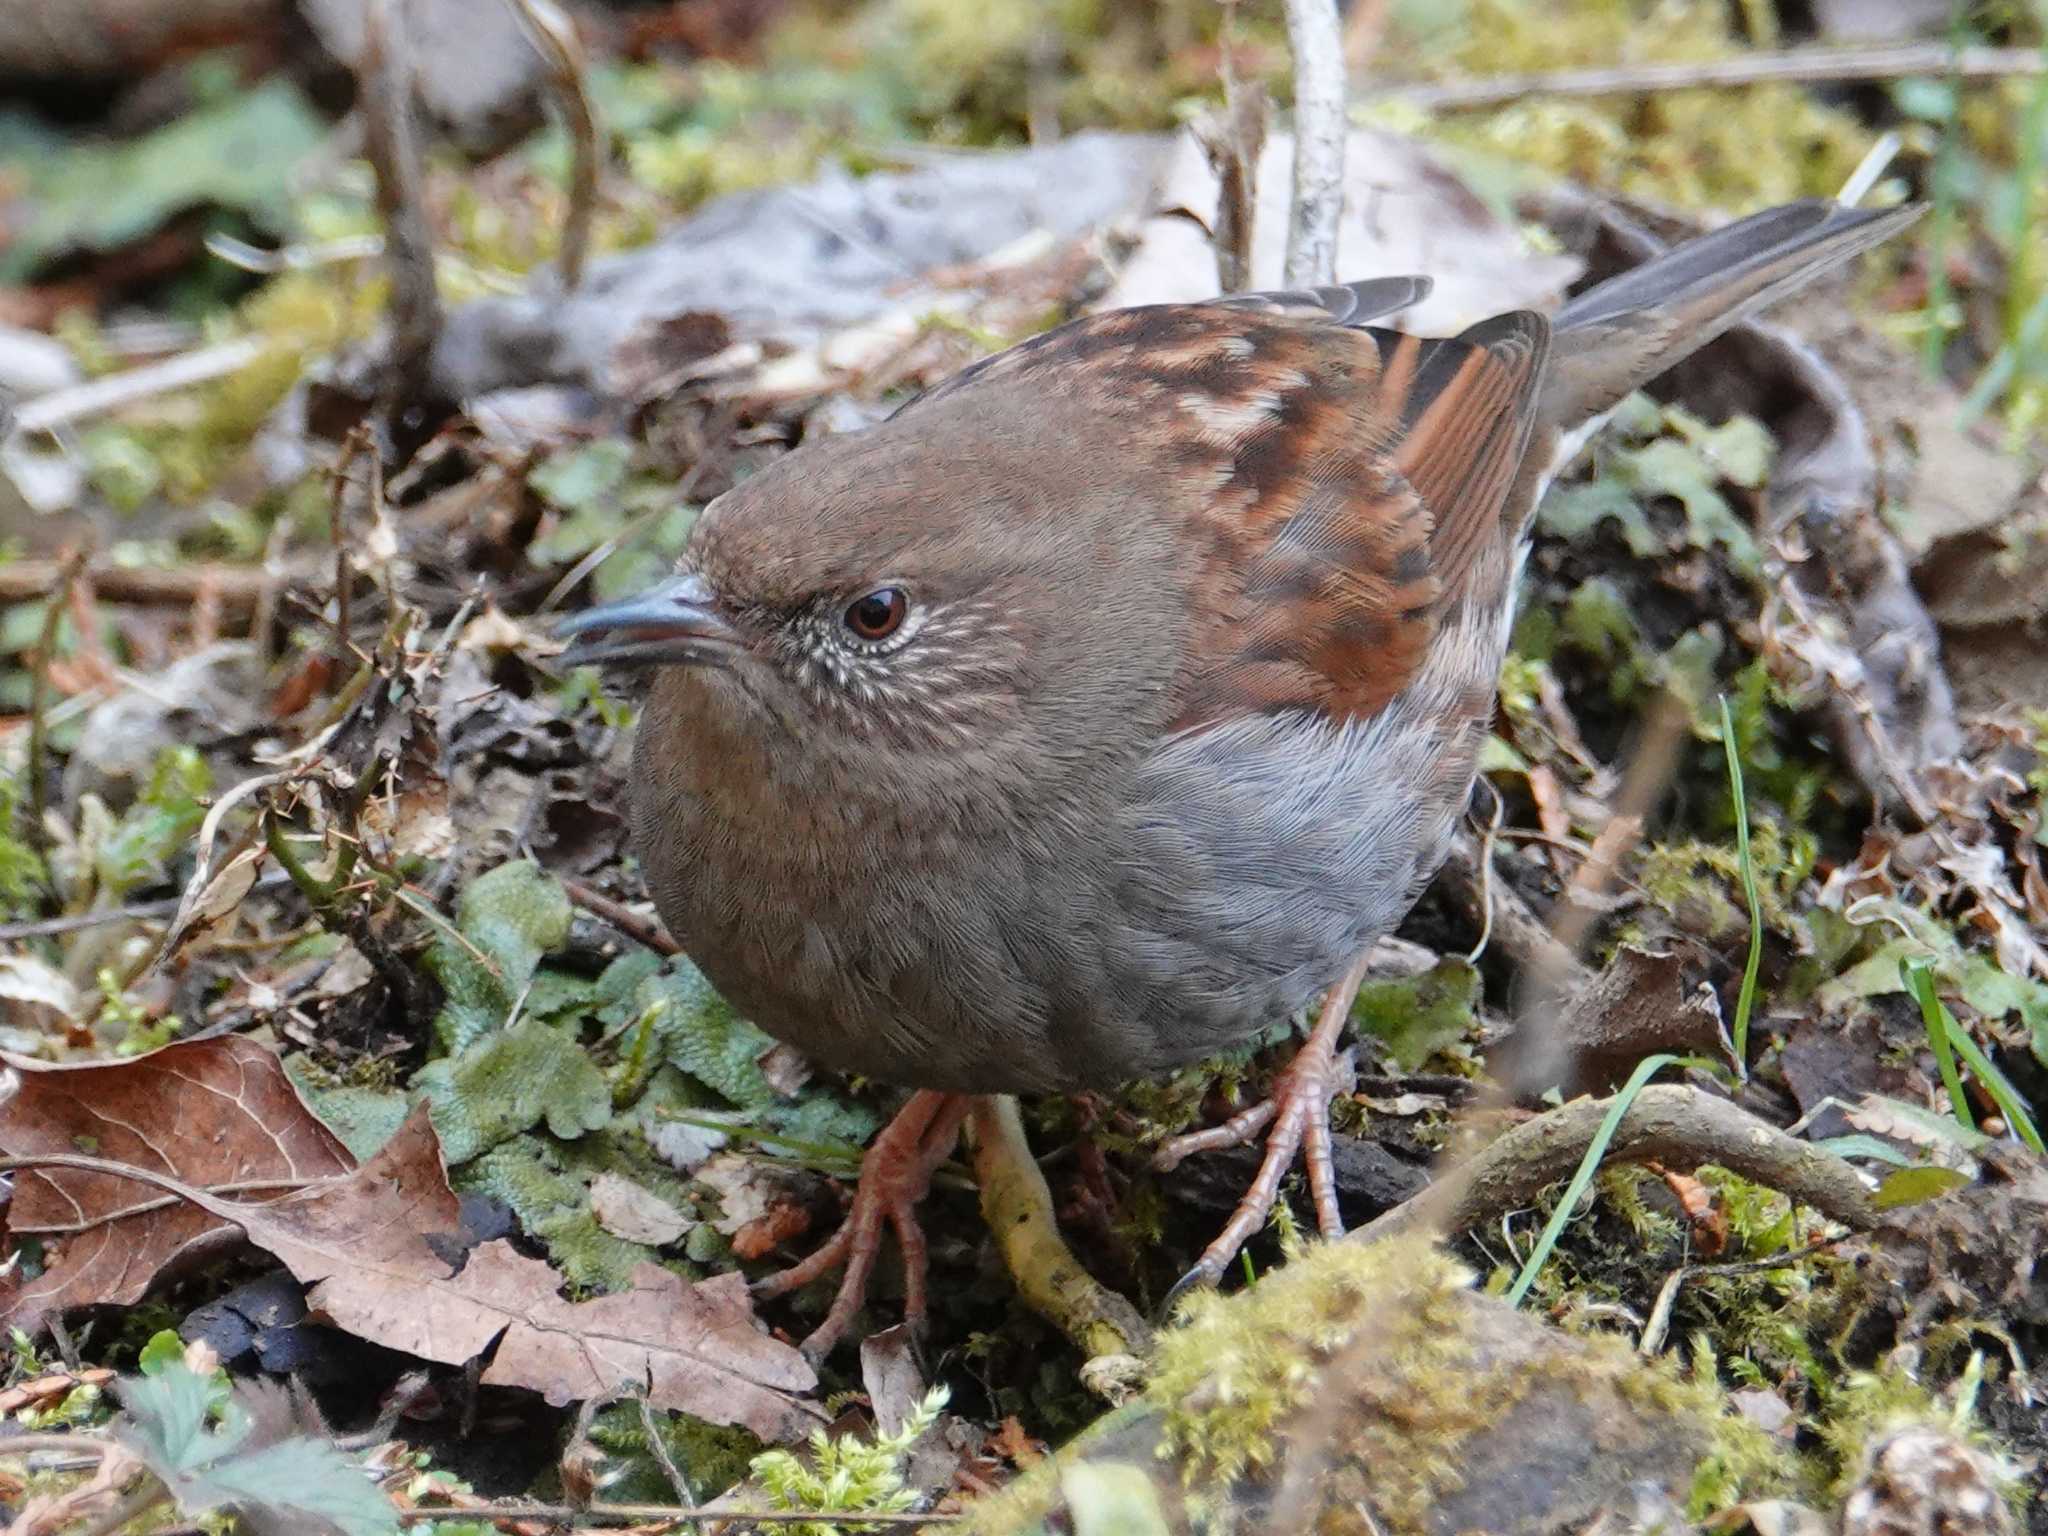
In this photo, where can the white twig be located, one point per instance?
(1873, 165)
(61, 407)
(1808, 66)
(1319, 120)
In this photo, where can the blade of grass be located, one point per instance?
(1919, 979)
(1999, 1086)
(1596, 1149)
(1745, 1000)
(1946, 1035)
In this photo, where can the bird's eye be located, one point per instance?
(878, 615)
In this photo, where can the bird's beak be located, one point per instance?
(675, 622)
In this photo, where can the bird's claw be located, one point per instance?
(1298, 1109)
(894, 1176)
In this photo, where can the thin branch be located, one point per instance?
(385, 74)
(553, 35)
(637, 1514)
(1316, 41)
(1802, 66)
(238, 588)
(39, 698)
(135, 912)
(639, 929)
(1671, 1124)
(65, 406)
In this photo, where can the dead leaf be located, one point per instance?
(204, 1112)
(891, 1376)
(220, 896)
(48, 1389)
(365, 1248)
(1015, 1446)
(24, 979)
(759, 1209)
(1635, 1007)
(1767, 1411)
(783, 1222)
(626, 1210)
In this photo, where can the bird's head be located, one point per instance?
(894, 591)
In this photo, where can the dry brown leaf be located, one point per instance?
(204, 1112)
(365, 1246)
(1591, 1041)
(635, 1213)
(47, 1389)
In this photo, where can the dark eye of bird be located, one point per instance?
(878, 615)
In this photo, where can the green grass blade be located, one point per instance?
(1919, 979)
(1647, 1068)
(1999, 1086)
(1746, 1000)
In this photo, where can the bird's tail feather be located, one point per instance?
(1620, 334)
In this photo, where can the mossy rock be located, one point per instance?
(1370, 1388)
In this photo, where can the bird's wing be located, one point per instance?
(1361, 476)
(1336, 485)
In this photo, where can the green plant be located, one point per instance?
(849, 1473)
(1746, 999)
(1949, 1040)
(1589, 1164)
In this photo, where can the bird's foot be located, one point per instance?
(1298, 1110)
(894, 1176)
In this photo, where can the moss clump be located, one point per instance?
(1238, 1366)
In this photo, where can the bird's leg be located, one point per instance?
(894, 1176)
(1298, 1107)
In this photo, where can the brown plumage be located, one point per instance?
(1108, 701)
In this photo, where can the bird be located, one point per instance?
(1106, 703)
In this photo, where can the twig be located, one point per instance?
(622, 917)
(1659, 1323)
(1516, 929)
(1233, 139)
(636, 1514)
(136, 912)
(1316, 41)
(64, 406)
(1667, 1124)
(238, 587)
(1803, 66)
(57, 1444)
(1643, 783)
(385, 74)
(553, 36)
(657, 1446)
(1017, 1205)
(39, 697)
(355, 446)
(138, 1502)
(164, 1202)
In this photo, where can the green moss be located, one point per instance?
(1237, 1366)
(1721, 149)
(1417, 1016)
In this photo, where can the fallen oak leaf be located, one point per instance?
(381, 1253)
(201, 1113)
(361, 1245)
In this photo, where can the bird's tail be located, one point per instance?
(1620, 334)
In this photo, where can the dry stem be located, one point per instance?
(1319, 122)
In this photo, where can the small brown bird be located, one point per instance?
(1112, 698)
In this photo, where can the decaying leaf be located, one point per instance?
(367, 1248)
(206, 1112)
(638, 1215)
